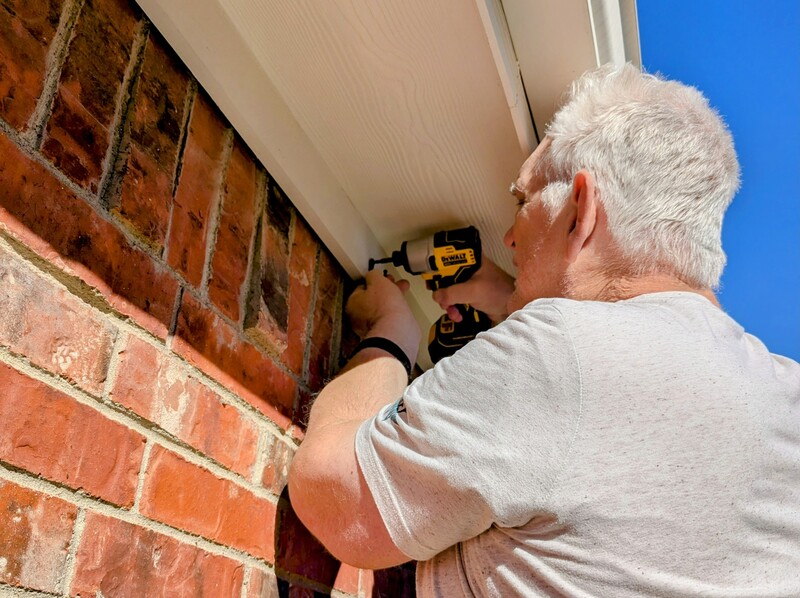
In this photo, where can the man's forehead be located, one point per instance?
(531, 170)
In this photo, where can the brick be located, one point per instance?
(75, 142)
(155, 129)
(299, 590)
(367, 584)
(78, 132)
(326, 310)
(145, 198)
(63, 229)
(397, 581)
(347, 580)
(298, 552)
(349, 342)
(51, 327)
(236, 224)
(122, 560)
(268, 319)
(302, 264)
(198, 190)
(156, 386)
(26, 31)
(48, 433)
(219, 430)
(276, 469)
(211, 344)
(190, 498)
(160, 103)
(301, 412)
(35, 531)
(262, 584)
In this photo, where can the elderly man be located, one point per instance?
(617, 434)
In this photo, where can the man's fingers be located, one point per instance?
(460, 293)
(403, 285)
(453, 313)
(443, 298)
(373, 276)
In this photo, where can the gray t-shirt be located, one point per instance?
(643, 447)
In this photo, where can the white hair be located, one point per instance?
(664, 165)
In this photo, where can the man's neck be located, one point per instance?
(605, 288)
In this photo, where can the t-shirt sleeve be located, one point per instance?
(480, 439)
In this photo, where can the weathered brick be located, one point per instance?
(160, 103)
(76, 143)
(198, 190)
(52, 327)
(325, 315)
(276, 468)
(211, 344)
(145, 198)
(125, 561)
(302, 264)
(155, 128)
(157, 387)
(65, 230)
(262, 584)
(78, 132)
(35, 531)
(347, 580)
(26, 31)
(190, 498)
(237, 219)
(268, 317)
(219, 430)
(48, 433)
(298, 552)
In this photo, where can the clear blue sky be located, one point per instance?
(745, 56)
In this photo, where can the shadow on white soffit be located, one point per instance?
(386, 121)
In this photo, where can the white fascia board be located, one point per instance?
(556, 41)
(615, 31)
(505, 58)
(203, 36)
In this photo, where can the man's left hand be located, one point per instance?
(379, 308)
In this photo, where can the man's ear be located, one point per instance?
(584, 201)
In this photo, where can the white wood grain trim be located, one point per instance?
(615, 31)
(494, 22)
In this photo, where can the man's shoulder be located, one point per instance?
(639, 306)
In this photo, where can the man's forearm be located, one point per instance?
(370, 380)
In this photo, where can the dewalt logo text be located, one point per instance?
(456, 258)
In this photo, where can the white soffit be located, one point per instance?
(384, 121)
(556, 41)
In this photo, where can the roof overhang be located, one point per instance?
(387, 121)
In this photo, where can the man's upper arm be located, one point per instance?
(331, 497)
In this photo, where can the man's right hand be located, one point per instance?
(488, 291)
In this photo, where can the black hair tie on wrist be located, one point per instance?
(378, 342)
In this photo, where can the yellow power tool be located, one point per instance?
(443, 259)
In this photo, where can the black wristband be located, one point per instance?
(378, 342)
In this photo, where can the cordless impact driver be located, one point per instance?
(443, 259)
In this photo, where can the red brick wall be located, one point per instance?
(165, 317)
